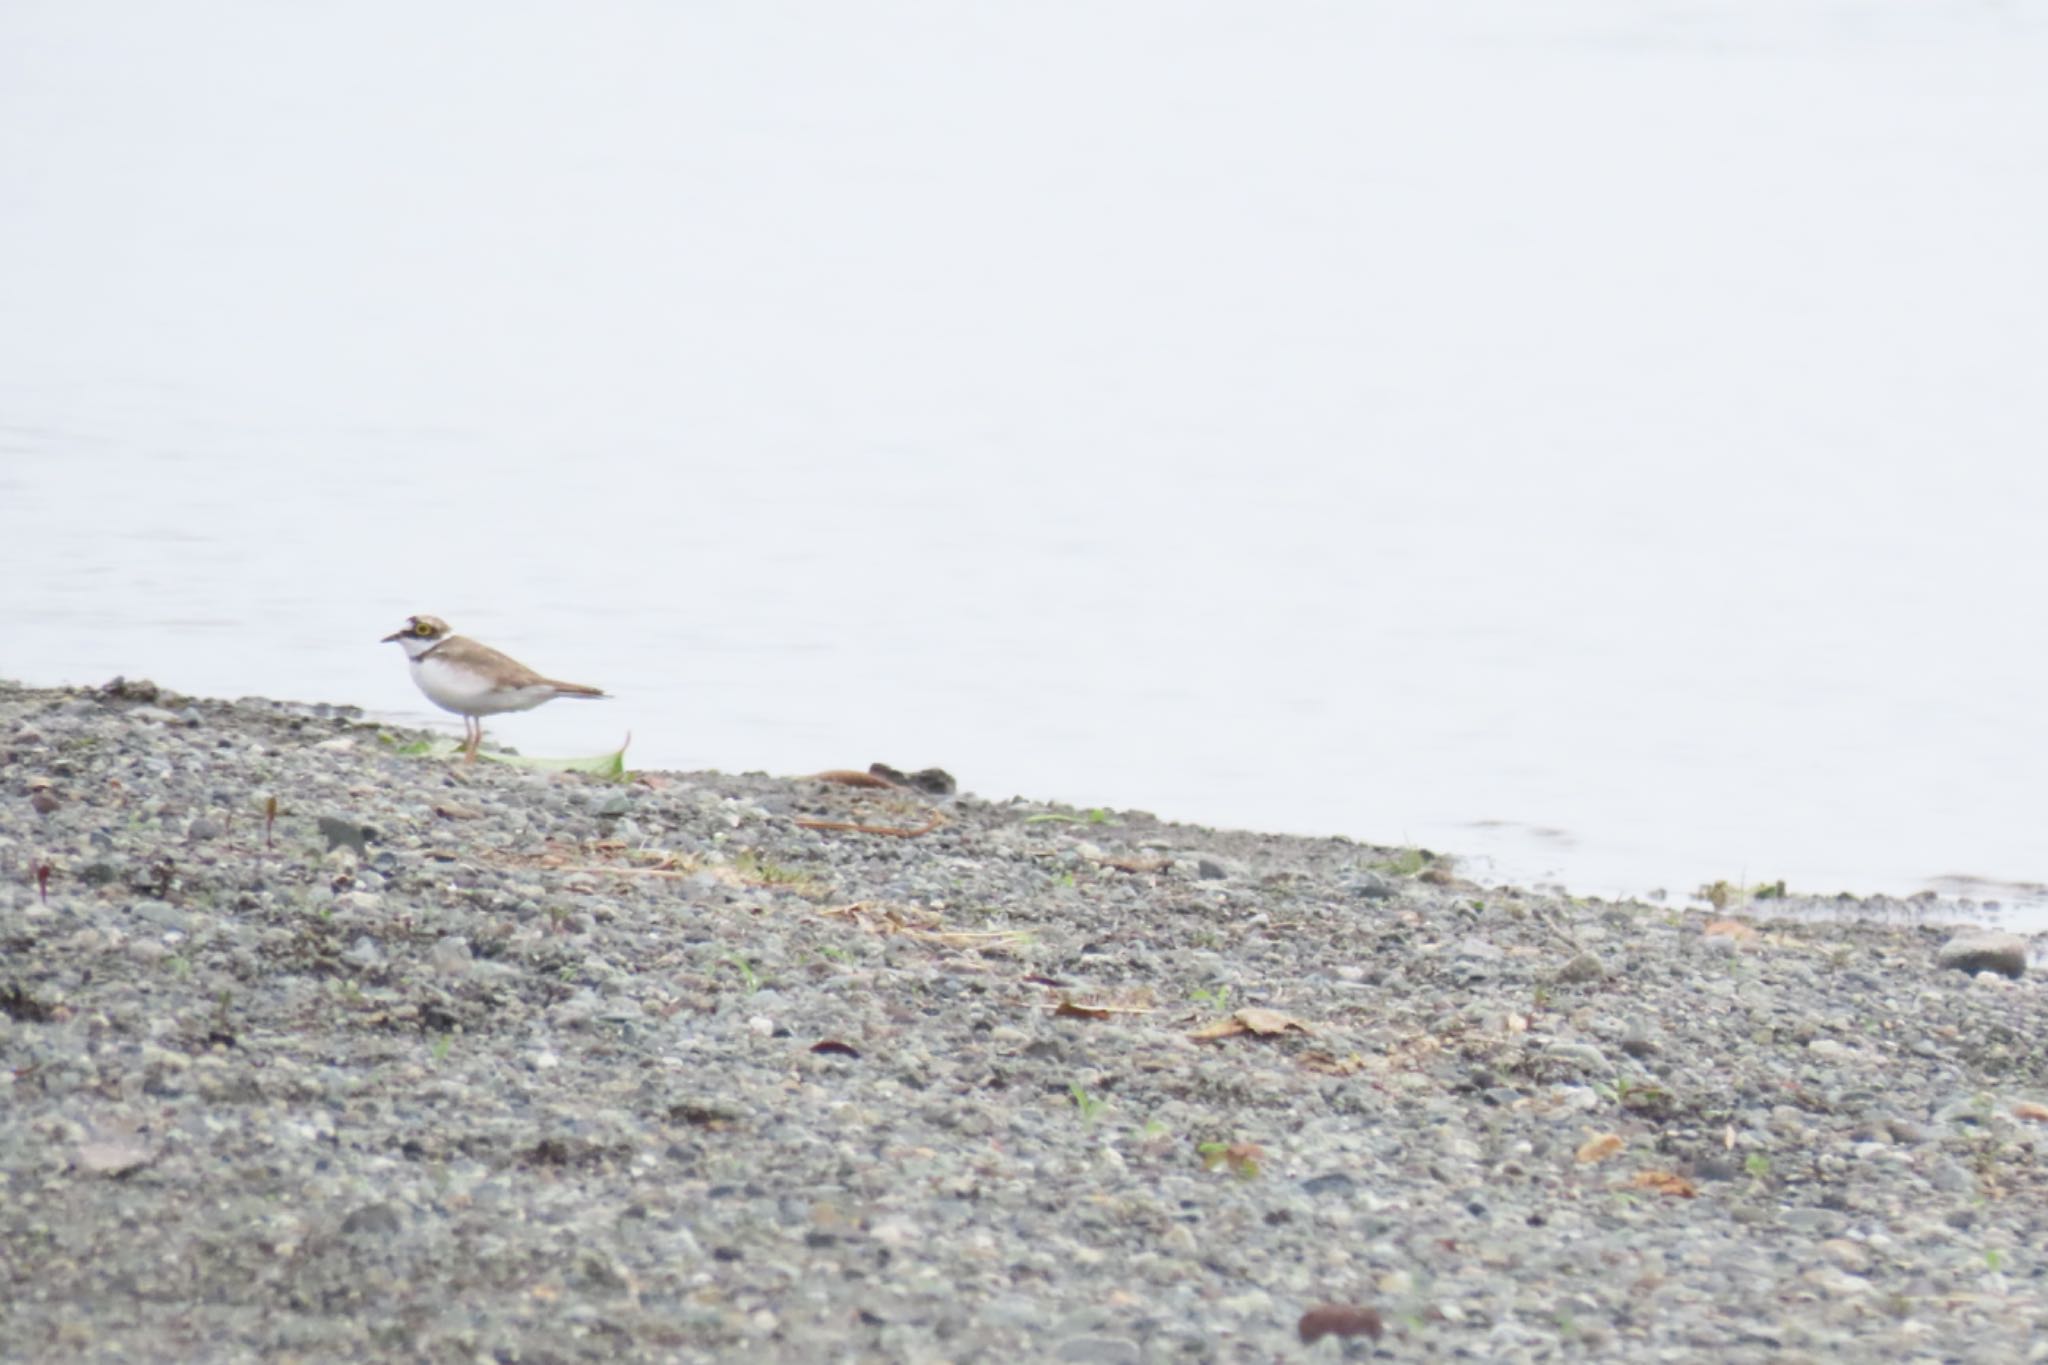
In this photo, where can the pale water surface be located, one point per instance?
(1605, 439)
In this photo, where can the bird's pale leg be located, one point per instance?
(473, 732)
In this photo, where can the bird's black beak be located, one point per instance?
(394, 635)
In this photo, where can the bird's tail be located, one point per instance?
(565, 689)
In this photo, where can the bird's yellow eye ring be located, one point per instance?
(422, 629)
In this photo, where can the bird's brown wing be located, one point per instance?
(460, 649)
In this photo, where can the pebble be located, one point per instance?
(1583, 968)
(1979, 951)
(1582, 1055)
(1369, 886)
(1850, 1256)
(450, 954)
(1099, 1350)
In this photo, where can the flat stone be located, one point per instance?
(1853, 1257)
(1369, 886)
(373, 1220)
(1583, 1055)
(450, 954)
(1093, 1349)
(342, 832)
(1585, 967)
(1982, 951)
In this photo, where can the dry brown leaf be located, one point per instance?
(1666, 1182)
(1733, 928)
(1270, 1023)
(2027, 1109)
(1242, 1158)
(1260, 1023)
(893, 831)
(1339, 1320)
(1101, 1006)
(978, 940)
(877, 918)
(1599, 1147)
(1136, 864)
(846, 777)
(1330, 1064)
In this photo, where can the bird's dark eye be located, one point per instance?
(422, 629)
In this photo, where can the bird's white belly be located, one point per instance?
(467, 693)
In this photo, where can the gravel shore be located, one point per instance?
(493, 1064)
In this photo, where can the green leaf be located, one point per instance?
(611, 765)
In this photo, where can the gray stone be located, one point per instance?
(1907, 1131)
(1093, 1349)
(1582, 1055)
(161, 915)
(1583, 968)
(1982, 951)
(372, 1220)
(1952, 1177)
(1369, 886)
(1804, 1218)
(341, 832)
(1853, 1257)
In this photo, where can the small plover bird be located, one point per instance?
(472, 680)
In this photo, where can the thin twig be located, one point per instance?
(624, 871)
(894, 831)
